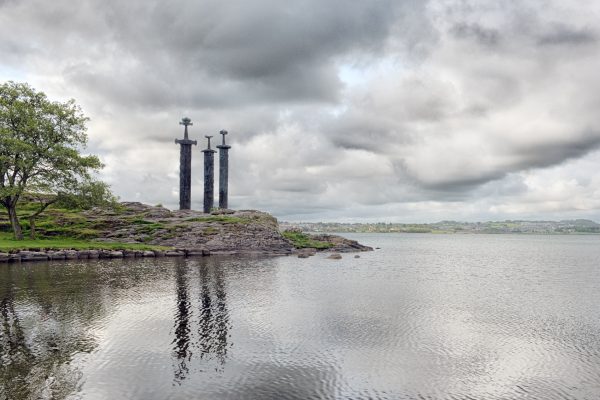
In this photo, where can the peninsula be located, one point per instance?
(138, 230)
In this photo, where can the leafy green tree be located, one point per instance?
(40, 149)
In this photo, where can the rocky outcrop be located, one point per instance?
(186, 232)
(193, 232)
(340, 244)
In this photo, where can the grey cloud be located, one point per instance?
(552, 152)
(485, 36)
(431, 116)
(562, 35)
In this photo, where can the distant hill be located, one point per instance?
(578, 226)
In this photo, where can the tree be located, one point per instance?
(83, 195)
(40, 144)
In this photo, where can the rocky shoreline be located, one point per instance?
(187, 233)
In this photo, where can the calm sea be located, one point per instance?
(424, 317)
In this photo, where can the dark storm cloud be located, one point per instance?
(245, 51)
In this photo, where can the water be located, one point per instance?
(425, 317)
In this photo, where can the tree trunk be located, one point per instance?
(14, 221)
(32, 228)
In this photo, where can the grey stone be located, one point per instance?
(159, 253)
(83, 254)
(174, 254)
(116, 254)
(104, 254)
(33, 256)
(128, 253)
(14, 257)
(57, 255)
(357, 256)
(71, 255)
(335, 256)
(148, 253)
(196, 252)
(93, 254)
(306, 252)
(4, 257)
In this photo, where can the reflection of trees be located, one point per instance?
(16, 357)
(212, 335)
(45, 315)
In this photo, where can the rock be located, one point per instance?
(116, 254)
(56, 255)
(71, 255)
(357, 256)
(335, 256)
(33, 256)
(14, 257)
(159, 253)
(306, 252)
(197, 252)
(222, 211)
(4, 257)
(83, 254)
(341, 244)
(104, 253)
(174, 254)
(222, 232)
(129, 253)
(93, 254)
(148, 253)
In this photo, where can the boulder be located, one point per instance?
(4, 257)
(306, 252)
(56, 255)
(33, 256)
(197, 252)
(335, 256)
(83, 254)
(128, 253)
(71, 255)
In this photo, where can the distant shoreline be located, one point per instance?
(567, 227)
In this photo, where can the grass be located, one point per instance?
(302, 241)
(59, 228)
(7, 243)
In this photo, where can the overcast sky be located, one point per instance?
(357, 110)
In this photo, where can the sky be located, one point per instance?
(349, 111)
